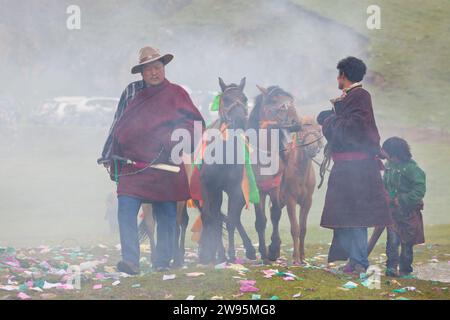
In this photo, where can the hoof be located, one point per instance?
(250, 254)
(299, 263)
(263, 253)
(273, 257)
(274, 253)
(231, 259)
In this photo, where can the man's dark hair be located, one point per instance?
(397, 147)
(353, 68)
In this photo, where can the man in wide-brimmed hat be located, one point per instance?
(148, 111)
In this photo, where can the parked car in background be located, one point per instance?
(77, 110)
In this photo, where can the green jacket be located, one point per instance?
(407, 182)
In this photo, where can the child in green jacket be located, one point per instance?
(405, 183)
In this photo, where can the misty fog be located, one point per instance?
(52, 189)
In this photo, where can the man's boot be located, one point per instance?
(128, 268)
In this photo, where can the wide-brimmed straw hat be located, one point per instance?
(148, 55)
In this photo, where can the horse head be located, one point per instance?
(274, 108)
(233, 105)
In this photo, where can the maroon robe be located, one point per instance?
(410, 228)
(143, 130)
(356, 196)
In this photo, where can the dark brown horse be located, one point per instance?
(217, 178)
(272, 111)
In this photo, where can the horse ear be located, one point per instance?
(222, 84)
(242, 84)
(262, 89)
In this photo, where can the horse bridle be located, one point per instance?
(224, 118)
(282, 107)
(302, 141)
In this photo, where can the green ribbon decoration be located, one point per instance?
(216, 103)
(253, 187)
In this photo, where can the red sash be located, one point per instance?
(355, 156)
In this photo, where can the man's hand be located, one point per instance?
(323, 116)
(106, 164)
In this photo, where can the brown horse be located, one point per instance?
(272, 111)
(299, 182)
(217, 178)
(294, 182)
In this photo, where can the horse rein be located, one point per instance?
(308, 143)
(117, 159)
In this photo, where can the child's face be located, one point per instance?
(391, 158)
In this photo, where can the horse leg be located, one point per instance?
(250, 251)
(260, 225)
(205, 244)
(295, 228)
(304, 211)
(217, 250)
(275, 215)
(204, 250)
(237, 203)
(231, 225)
(221, 256)
(149, 221)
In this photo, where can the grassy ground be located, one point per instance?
(313, 284)
(314, 281)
